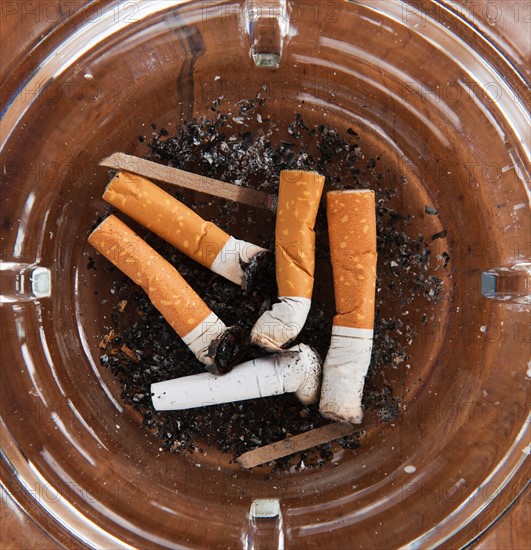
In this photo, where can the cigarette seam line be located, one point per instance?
(204, 231)
(353, 337)
(340, 258)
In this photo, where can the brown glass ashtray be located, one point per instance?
(76, 456)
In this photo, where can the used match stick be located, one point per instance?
(188, 180)
(295, 444)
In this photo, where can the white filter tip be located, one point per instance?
(344, 371)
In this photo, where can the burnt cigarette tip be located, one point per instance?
(259, 267)
(228, 350)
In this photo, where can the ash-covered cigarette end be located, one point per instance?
(227, 350)
(261, 265)
(308, 391)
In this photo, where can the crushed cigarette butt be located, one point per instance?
(298, 202)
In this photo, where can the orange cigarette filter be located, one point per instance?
(168, 291)
(298, 201)
(352, 235)
(169, 218)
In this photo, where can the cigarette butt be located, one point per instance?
(170, 219)
(298, 203)
(298, 370)
(352, 233)
(184, 310)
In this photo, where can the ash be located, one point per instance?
(240, 144)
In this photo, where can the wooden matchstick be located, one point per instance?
(295, 444)
(188, 180)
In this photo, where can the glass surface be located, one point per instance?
(424, 90)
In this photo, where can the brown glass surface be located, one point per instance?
(114, 476)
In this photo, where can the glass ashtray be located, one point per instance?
(424, 86)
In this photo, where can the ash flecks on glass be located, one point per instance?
(240, 144)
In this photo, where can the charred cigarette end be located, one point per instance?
(158, 211)
(298, 203)
(178, 303)
(352, 233)
(232, 259)
(257, 269)
(227, 350)
(298, 371)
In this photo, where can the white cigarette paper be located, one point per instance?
(282, 323)
(203, 335)
(296, 370)
(352, 233)
(344, 371)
